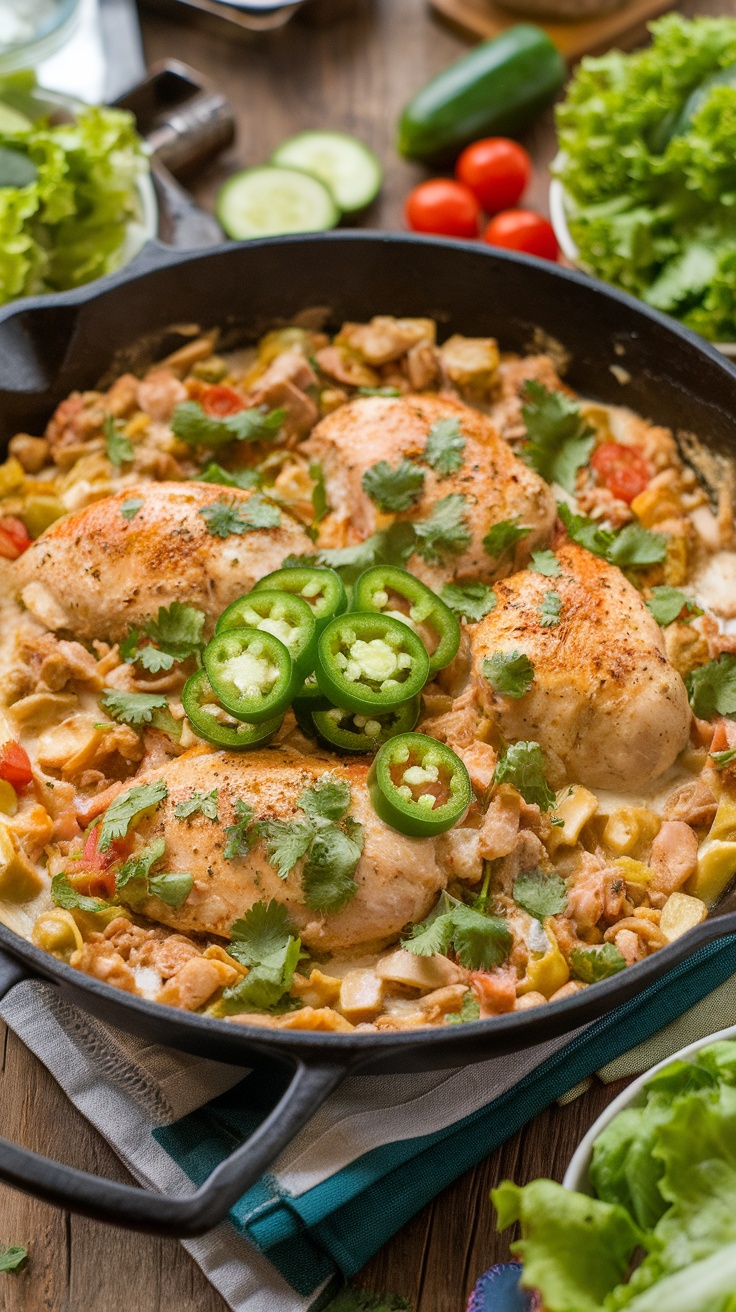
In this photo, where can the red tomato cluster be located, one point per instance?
(622, 469)
(490, 175)
(15, 765)
(14, 539)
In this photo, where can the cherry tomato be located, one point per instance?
(15, 765)
(14, 539)
(496, 170)
(523, 230)
(444, 207)
(622, 469)
(94, 874)
(216, 400)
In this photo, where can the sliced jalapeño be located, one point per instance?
(211, 721)
(308, 699)
(419, 786)
(398, 593)
(289, 618)
(251, 673)
(322, 589)
(353, 731)
(368, 662)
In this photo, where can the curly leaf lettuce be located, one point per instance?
(651, 197)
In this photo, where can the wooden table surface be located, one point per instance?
(353, 75)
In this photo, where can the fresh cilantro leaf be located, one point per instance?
(378, 391)
(224, 517)
(172, 887)
(128, 808)
(722, 759)
(153, 659)
(266, 982)
(445, 447)
(11, 1258)
(479, 941)
(635, 545)
(64, 894)
(129, 509)
(469, 601)
(203, 803)
(522, 765)
(329, 799)
(178, 629)
(191, 424)
(393, 489)
(469, 1010)
(593, 964)
(509, 673)
(245, 479)
(238, 836)
(390, 546)
(712, 688)
(549, 611)
(165, 722)
(286, 842)
(546, 563)
(319, 491)
(131, 707)
(559, 441)
(263, 930)
(541, 893)
(667, 604)
(133, 874)
(503, 536)
(119, 450)
(432, 935)
(328, 871)
(446, 531)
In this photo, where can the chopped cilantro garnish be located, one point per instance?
(265, 941)
(469, 1010)
(191, 424)
(135, 882)
(238, 836)
(522, 765)
(722, 759)
(128, 808)
(264, 929)
(445, 447)
(446, 531)
(332, 849)
(245, 479)
(550, 609)
(328, 871)
(131, 707)
(153, 659)
(478, 941)
(509, 673)
(667, 604)
(541, 893)
(378, 391)
(329, 799)
(224, 517)
(172, 887)
(469, 601)
(546, 563)
(393, 489)
(119, 450)
(178, 629)
(559, 441)
(319, 491)
(390, 546)
(199, 803)
(64, 894)
(503, 536)
(593, 964)
(129, 509)
(13, 1257)
(632, 545)
(286, 842)
(712, 688)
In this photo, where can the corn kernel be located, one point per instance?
(655, 504)
(635, 872)
(681, 913)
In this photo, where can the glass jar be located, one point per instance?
(31, 30)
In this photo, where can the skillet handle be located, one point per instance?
(160, 1214)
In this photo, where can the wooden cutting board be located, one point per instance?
(480, 19)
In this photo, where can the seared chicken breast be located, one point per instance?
(604, 699)
(492, 483)
(398, 878)
(114, 563)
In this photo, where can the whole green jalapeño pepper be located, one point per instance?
(419, 786)
(368, 662)
(251, 673)
(211, 721)
(322, 589)
(398, 593)
(288, 618)
(351, 731)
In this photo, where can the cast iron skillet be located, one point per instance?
(51, 345)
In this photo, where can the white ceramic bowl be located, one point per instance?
(558, 219)
(576, 1176)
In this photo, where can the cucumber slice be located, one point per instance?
(345, 164)
(269, 201)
